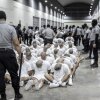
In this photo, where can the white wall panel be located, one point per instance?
(17, 11)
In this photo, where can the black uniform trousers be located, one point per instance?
(75, 40)
(86, 45)
(95, 53)
(8, 62)
(46, 41)
(25, 38)
(95, 50)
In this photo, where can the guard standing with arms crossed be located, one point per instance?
(8, 40)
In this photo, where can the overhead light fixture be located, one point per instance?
(55, 7)
(91, 3)
(51, 5)
(61, 11)
(46, 1)
(58, 9)
(90, 6)
(90, 9)
(93, 0)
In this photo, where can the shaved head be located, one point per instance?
(43, 55)
(56, 51)
(28, 49)
(61, 60)
(58, 66)
(71, 51)
(39, 63)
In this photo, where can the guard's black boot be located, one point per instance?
(92, 65)
(95, 66)
(18, 96)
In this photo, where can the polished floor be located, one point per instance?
(86, 87)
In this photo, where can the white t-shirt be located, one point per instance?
(49, 51)
(39, 51)
(61, 51)
(31, 62)
(25, 68)
(43, 70)
(74, 58)
(75, 52)
(72, 39)
(68, 62)
(35, 50)
(50, 59)
(58, 75)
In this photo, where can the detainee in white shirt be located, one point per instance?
(26, 72)
(62, 48)
(55, 53)
(45, 57)
(70, 39)
(75, 51)
(59, 76)
(55, 44)
(35, 48)
(75, 59)
(29, 58)
(40, 69)
(70, 64)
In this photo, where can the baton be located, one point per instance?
(20, 66)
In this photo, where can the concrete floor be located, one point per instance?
(86, 87)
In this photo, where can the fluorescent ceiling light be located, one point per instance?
(90, 6)
(55, 7)
(58, 9)
(91, 3)
(46, 1)
(51, 5)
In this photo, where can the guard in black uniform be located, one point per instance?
(94, 42)
(8, 40)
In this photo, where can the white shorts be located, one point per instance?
(39, 77)
(58, 79)
(24, 75)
